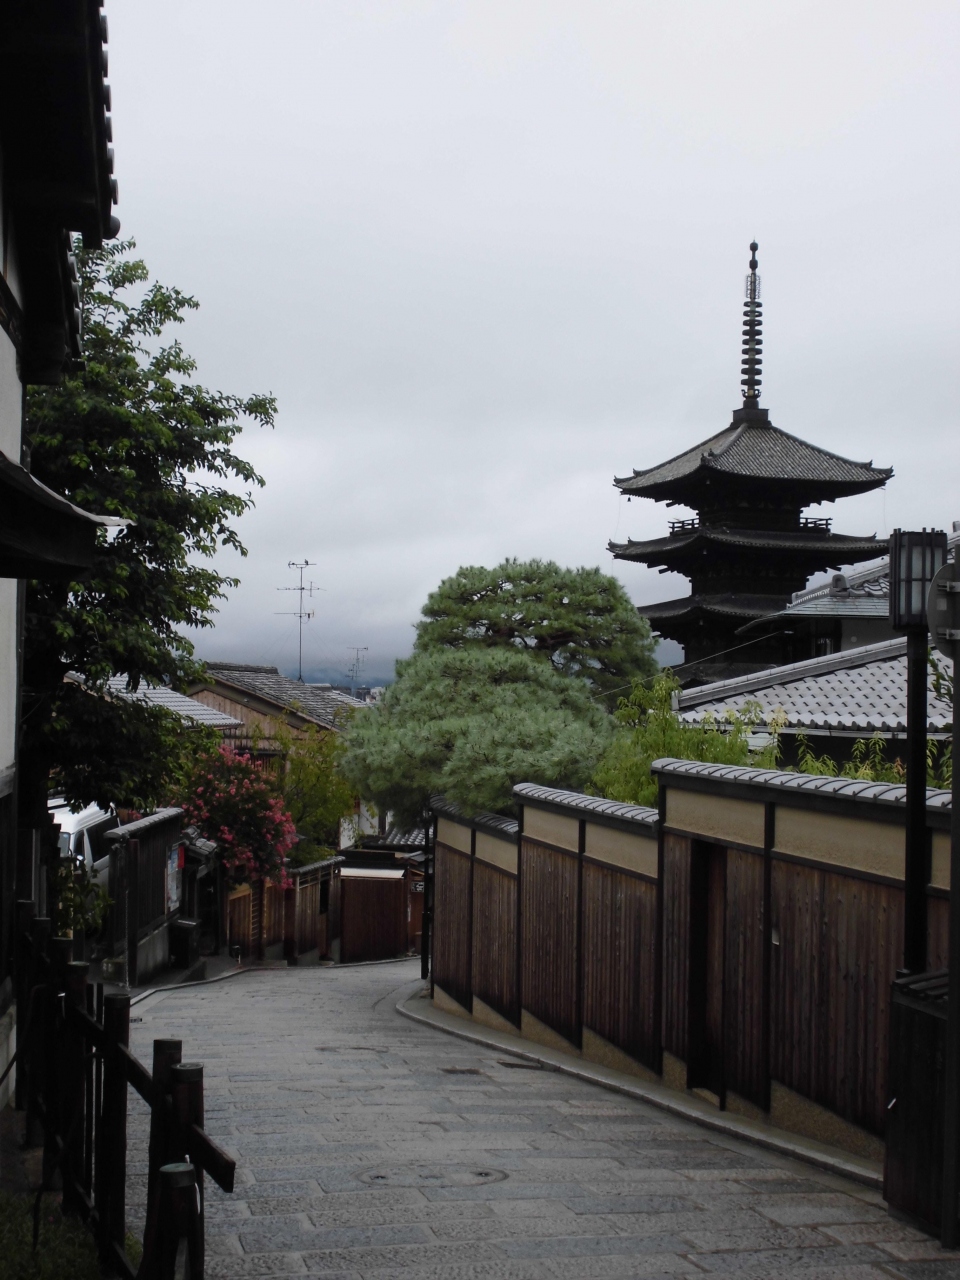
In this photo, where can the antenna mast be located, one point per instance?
(356, 666)
(300, 613)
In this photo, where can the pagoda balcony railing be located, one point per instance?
(808, 524)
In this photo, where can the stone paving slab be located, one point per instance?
(370, 1147)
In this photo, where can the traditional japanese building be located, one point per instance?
(749, 547)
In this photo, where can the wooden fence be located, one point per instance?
(740, 941)
(145, 890)
(295, 920)
(76, 1066)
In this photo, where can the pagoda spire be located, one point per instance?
(752, 359)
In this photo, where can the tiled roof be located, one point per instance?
(595, 805)
(315, 702)
(182, 706)
(858, 593)
(884, 793)
(755, 449)
(860, 691)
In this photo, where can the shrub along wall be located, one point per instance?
(739, 941)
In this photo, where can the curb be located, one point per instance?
(806, 1149)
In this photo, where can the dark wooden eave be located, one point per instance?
(57, 166)
(41, 534)
(695, 607)
(677, 548)
(753, 454)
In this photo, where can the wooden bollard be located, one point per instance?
(180, 1244)
(73, 1089)
(112, 1144)
(26, 910)
(162, 1149)
(186, 1083)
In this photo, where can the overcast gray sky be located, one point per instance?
(490, 254)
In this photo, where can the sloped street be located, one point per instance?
(369, 1146)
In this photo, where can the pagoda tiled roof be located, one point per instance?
(752, 448)
(727, 605)
(842, 548)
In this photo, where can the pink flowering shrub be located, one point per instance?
(235, 801)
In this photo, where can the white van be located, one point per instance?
(82, 835)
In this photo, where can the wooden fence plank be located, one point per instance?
(452, 942)
(549, 927)
(494, 971)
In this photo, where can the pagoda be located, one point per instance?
(749, 547)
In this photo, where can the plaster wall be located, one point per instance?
(621, 849)
(874, 847)
(453, 834)
(551, 828)
(8, 676)
(499, 853)
(716, 817)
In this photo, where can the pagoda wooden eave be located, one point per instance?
(819, 547)
(752, 452)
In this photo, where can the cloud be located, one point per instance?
(489, 255)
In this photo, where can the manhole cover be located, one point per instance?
(431, 1175)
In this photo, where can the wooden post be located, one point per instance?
(112, 1140)
(260, 950)
(33, 1041)
(166, 1056)
(73, 1082)
(26, 910)
(179, 1241)
(186, 1081)
(290, 924)
(132, 859)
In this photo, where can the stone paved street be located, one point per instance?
(369, 1146)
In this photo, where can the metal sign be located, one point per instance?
(943, 608)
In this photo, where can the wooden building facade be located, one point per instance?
(741, 942)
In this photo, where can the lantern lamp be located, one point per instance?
(915, 556)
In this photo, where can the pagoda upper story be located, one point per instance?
(749, 546)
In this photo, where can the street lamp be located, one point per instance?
(915, 557)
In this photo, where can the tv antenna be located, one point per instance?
(356, 666)
(301, 613)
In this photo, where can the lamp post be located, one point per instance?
(943, 611)
(915, 557)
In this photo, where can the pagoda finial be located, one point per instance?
(752, 360)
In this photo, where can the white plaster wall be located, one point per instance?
(10, 400)
(8, 671)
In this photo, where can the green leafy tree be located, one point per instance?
(314, 789)
(130, 434)
(469, 723)
(651, 729)
(581, 620)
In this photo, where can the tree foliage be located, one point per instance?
(651, 729)
(581, 620)
(233, 800)
(469, 723)
(129, 434)
(315, 791)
